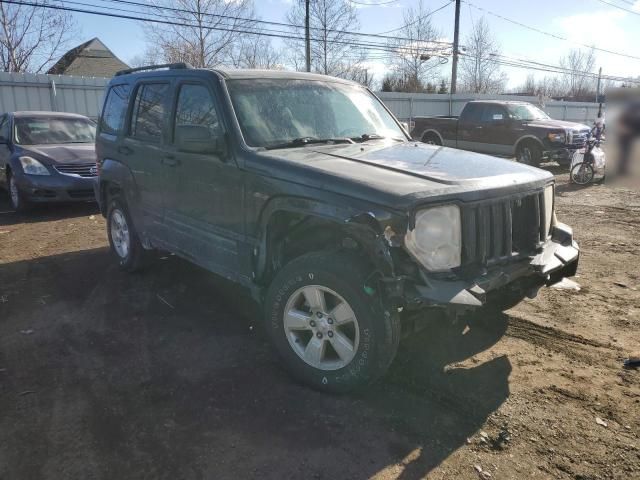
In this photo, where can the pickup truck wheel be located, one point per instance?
(330, 333)
(123, 239)
(431, 139)
(529, 153)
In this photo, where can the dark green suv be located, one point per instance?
(306, 189)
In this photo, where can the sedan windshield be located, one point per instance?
(53, 130)
(527, 113)
(279, 113)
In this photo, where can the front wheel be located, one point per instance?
(328, 328)
(16, 197)
(582, 173)
(529, 153)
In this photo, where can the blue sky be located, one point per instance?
(582, 21)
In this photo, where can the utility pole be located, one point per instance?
(456, 35)
(598, 87)
(306, 36)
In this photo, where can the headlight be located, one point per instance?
(556, 137)
(548, 208)
(435, 240)
(31, 166)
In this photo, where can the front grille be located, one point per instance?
(77, 169)
(88, 193)
(577, 139)
(503, 229)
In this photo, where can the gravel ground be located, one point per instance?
(164, 374)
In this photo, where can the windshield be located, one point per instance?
(274, 112)
(526, 112)
(52, 130)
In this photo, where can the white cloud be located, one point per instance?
(636, 6)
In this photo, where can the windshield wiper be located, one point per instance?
(302, 141)
(374, 136)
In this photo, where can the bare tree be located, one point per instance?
(32, 37)
(479, 69)
(256, 52)
(203, 32)
(332, 52)
(580, 64)
(417, 51)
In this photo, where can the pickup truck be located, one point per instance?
(504, 128)
(306, 190)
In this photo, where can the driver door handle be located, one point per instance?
(124, 150)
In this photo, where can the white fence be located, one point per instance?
(410, 105)
(58, 93)
(62, 93)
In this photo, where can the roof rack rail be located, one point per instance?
(170, 66)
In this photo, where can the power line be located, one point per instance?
(549, 34)
(619, 7)
(374, 4)
(254, 20)
(417, 20)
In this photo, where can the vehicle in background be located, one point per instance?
(47, 157)
(505, 128)
(306, 190)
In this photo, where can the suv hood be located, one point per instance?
(555, 124)
(52, 154)
(415, 172)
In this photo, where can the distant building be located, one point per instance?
(90, 59)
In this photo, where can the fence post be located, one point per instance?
(53, 95)
(410, 111)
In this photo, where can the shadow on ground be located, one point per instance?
(163, 374)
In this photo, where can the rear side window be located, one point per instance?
(196, 108)
(4, 127)
(149, 111)
(472, 112)
(115, 109)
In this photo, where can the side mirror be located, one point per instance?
(199, 139)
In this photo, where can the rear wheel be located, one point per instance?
(582, 173)
(331, 333)
(431, 139)
(529, 153)
(123, 239)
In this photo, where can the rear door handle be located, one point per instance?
(479, 127)
(124, 150)
(170, 160)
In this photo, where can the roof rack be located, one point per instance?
(170, 66)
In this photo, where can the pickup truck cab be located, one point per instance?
(505, 128)
(307, 191)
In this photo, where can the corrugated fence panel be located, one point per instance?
(62, 93)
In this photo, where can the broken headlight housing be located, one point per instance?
(436, 238)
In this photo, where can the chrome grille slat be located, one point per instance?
(77, 169)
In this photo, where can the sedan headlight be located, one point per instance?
(548, 208)
(31, 166)
(557, 137)
(436, 239)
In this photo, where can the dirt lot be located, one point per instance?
(163, 374)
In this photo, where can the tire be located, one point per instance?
(123, 239)
(582, 173)
(16, 197)
(431, 139)
(373, 334)
(529, 153)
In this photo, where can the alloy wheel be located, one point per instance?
(120, 233)
(321, 327)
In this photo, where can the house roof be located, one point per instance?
(89, 59)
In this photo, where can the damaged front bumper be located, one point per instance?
(557, 259)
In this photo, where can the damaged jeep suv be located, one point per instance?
(306, 190)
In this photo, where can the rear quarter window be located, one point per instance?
(115, 108)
